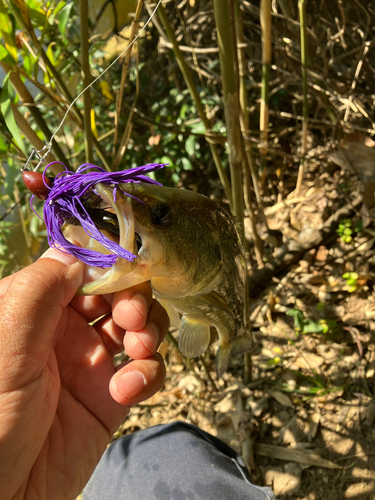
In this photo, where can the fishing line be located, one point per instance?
(42, 153)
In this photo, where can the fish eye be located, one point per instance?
(161, 215)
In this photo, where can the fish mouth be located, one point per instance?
(118, 220)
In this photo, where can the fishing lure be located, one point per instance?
(71, 198)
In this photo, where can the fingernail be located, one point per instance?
(64, 258)
(131, 384)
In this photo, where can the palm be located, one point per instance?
(75, 386)
(61, 397)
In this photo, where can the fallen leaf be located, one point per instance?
(309, 361)
(281, 398)
(293, 455)
(312, 425)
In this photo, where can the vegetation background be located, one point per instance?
(267, 107)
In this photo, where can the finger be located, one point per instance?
(111, 334)
(130, 307)
(91, 307)
(33, 302)
(145, 342)
(138, 380)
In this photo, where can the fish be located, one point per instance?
(189, 248)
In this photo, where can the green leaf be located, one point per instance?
(3, 144)
(6, 109)
(190, 145)
(63, 18)
(6, 57)
(38, 17)
(8, 31)
(186, 164)
(312, 327)
(184, 110)
(29, 63)
(52, 14)
(299, 318)
(168, 160)
(10, 178)
(199, 128)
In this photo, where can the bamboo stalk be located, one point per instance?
(225, 27)
(33, 138)
(224, 11)
(124, 73)
(186, 72)
(302, 16)
(28, 101)
(129, 125)
(265, 22)
(28, 28)
(84, 22)
(249, 164)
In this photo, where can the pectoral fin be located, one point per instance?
(172, 313)
(194, 337)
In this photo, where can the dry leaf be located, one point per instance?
(312, 425)
(293, 432)
(281, 398)
(309, 361)
(294, 455)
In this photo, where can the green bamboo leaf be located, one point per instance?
(52, 14)
(10, 178)
(21, 4)
(3, 145)
(38, 17)
(6, 57)
(63, 18)
(6, 109)
(8, 31)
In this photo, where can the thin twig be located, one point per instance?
(265, 22)
(195, 95)
(124, 71)
(302, 15)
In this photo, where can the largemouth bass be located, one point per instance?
(187, 246)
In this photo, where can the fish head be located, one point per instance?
(171, 232)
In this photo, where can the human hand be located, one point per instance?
(61, 399)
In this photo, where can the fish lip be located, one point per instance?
(125, 216)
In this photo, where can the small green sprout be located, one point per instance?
(344, 231)
(303, 325)
(351, 281)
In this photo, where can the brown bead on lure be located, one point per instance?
(36, 184)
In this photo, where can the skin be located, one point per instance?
(61, 399)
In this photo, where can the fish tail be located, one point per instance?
(239, 346)
(222, 360)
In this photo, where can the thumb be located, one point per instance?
(34, 299)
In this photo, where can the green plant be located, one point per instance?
(302, 324)
(351, 281)
(345, 231)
